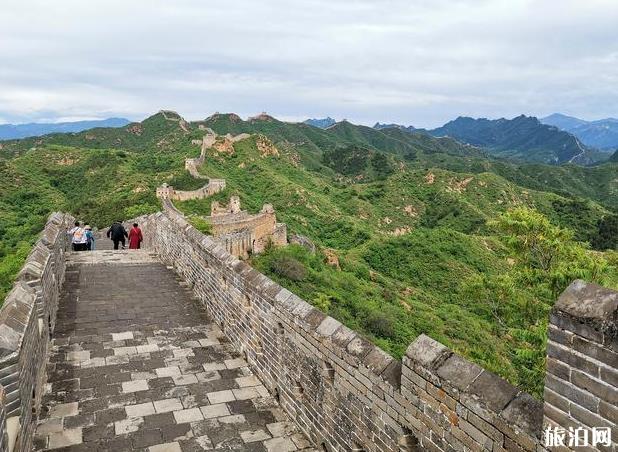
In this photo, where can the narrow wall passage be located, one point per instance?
(136, 364)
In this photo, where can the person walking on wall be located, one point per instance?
(90, 246)
(117, 233)
(135, 237)
(78, 237)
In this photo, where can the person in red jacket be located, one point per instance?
(135, 237)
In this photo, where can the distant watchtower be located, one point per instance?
(165, 191)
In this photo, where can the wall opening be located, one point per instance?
(298, 389)
(408, 442)
(34, 410)
(328, 371)
(357, 447)
(279, 329)
(276, 395)
(246, 301)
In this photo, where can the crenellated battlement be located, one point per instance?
(27, 319)
(238, 231)
(348, 394)
(343, 392)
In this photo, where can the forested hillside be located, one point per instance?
(523, 137)
(414, 234)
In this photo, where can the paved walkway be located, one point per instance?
(136, 365)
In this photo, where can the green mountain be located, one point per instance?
(600, 134)
(321, 123)
(523, 137)
(380, 126)
(414, 234)
(11, 131)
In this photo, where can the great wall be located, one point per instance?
(238, 231)
(182, 346)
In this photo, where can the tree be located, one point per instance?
(606, 237)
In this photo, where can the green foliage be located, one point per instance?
(382, 323)
(348, 160)
(416, 254)
(202, 225)
(381, 166)
(322, 301)
(606, 236)
(288, 267)
(545, 260)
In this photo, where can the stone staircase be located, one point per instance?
(137, 364)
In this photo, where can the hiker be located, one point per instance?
(89, 238)
(135, 237)
(78, 237)
(117, 233)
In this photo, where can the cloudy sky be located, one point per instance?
(419, 62)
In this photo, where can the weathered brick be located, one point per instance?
(598, 388)
(573, 393)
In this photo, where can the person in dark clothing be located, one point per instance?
(117, 233)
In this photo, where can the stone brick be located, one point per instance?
(493, 391)
(573, 393)
(427, 353)
(188, 415)
(213, 411)
(140, 410)
(558, 368)
(567, 356)
(587, 417)
(525, 412)
(459, 372)
(603, 391)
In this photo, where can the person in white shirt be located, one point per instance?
(79, 240)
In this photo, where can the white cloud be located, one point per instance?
(418, 62)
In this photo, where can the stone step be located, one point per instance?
(137, 365)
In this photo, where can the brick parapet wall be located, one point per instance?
(4, 438)
(581, 385)
(27, 318)
(343, 391)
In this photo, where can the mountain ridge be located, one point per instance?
(401, 222)
(601, 133)
(17, 131)
(322, 123)
(523, 137)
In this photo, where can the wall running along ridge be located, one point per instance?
(191, 165)
(348, 394)
(344, 392)
(27, 319)
(238, 231)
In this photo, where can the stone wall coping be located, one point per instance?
(19, 304)
(590, 304)
(464, 380)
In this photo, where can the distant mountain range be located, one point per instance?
(379, 126)
(523, 137)
(321, 123)
(13, 131)
(601, 134)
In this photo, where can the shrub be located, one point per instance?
(202, 225)
(381, 324)
(289, 268)
(322, 302)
